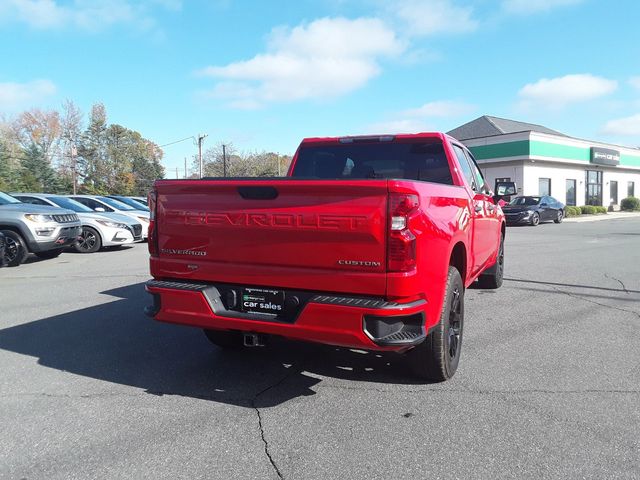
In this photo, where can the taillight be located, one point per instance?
(152, 237)
(401, 250)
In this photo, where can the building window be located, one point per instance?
(544, 186)
(571, 192)
(631, 189)
(613, 192)
(594, 188)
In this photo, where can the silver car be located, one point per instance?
(100, 203)
(98, 229)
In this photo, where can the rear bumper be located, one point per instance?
(355, 322)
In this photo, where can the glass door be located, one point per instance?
(571, 192)
(594, 188)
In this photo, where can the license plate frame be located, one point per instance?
(262, 300)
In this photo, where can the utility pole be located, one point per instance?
(74, 152)
(201, 137)
(224, 160)
(185, 167)
(177, 177)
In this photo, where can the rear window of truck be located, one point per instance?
(425, 161)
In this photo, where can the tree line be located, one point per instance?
(219, 161)
(62, 151)
(50, 151)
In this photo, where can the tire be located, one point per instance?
(492, 278)
(49, 254)
(90, 241)
(15, 250)
(224, 338)
(535, 219)
(560, 216)
(436, 359)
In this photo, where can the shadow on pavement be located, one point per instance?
(115, 342)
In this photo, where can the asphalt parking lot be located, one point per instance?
(548, 385)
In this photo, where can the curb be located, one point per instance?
(602, 216)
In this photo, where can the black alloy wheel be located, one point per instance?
(535, 219)
(89, 241)
(559, 217)
(455, 326)
(436, 359)
(15, 250)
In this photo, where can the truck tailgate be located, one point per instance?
(320, 235)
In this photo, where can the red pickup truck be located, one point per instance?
(368, 243)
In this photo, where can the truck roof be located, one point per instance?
(374, 138)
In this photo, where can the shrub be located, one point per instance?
(630, 203)
(572, 211)
(601, 209)
(588, 209)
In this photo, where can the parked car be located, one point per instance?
(44, 231)
(142, 200)
(98, 229)
(369, 243)
(131, 202)
(531, 210)
(99, 203)
(2, 243)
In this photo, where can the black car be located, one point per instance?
(533, 210)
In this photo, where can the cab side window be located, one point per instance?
(467, 173)
(477, 174)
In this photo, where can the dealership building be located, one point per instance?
(544, 162)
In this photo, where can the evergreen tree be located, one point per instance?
(36, 172)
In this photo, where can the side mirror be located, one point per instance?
(505, 189)
(99, 209)
(544, 204)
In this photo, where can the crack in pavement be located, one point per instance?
(580, 297)
(620, 282)
(261, 425)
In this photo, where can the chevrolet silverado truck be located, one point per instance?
(368, 243)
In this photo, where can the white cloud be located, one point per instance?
(406, 125)
(628, 126)
(323, 59)
(430, 17)
(635, 82)
(526, 7)
(561, 91)
(441, 108)
(421, 119)
(83, 14)
(16, 95)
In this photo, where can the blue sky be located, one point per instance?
(264, 74)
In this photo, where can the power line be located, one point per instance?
(177, 141)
